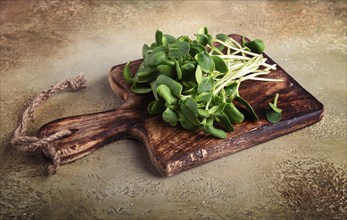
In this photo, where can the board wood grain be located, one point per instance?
(173, 149)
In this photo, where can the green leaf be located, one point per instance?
(203, 113)
(203, 30)
(160, 48)
(196, 48)
(202, 39)
(222, 37)
(168, 39)
(189, 115)
(156, 106)
(233, 113)
(127, 75)
(220, 48)
(184, 38)
(217, 109)
(224, 120)
(158, 38)
(209, 121)
(209, 39)
(170, 117)
(192, 105)
(273, 117)
(230, 90)
(146, 74)
(175, 87)
(178, 49)
(214, 110)
(205, 85)
(198, 74)
(145, 50)
(203, 97)
(165, 69)
(154, 86)
(178, 70)
(189, 92)
(216, 100)
(165, 92)
(186, 124)
(256, 46)
(141, 88)
(168, 62)
(214, 132)
(153, 45)
(189, 109)
(188, 83)
(188, 68)
(220, 65)
(205, 61)
(157, 58)
(248, 106)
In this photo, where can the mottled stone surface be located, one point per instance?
(42, 42)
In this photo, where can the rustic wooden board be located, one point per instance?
(173, 149)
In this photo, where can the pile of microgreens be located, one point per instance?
(196, 82)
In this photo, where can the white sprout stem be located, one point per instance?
(235, 42)
(235, 66)
(265, 79)
(238, 57)
(213, 48)
(238, 45)
(242, 65)
(270, 67)
(232, 72)
(236, 49)
(257, 73)
(231, 56)
(254, 76)
(250, 66)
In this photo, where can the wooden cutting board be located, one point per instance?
(173, 149)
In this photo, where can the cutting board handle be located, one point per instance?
(92, 131)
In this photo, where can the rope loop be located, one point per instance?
(25, 143)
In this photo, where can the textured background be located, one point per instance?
(44, 41)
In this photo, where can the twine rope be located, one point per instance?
(25, 143)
